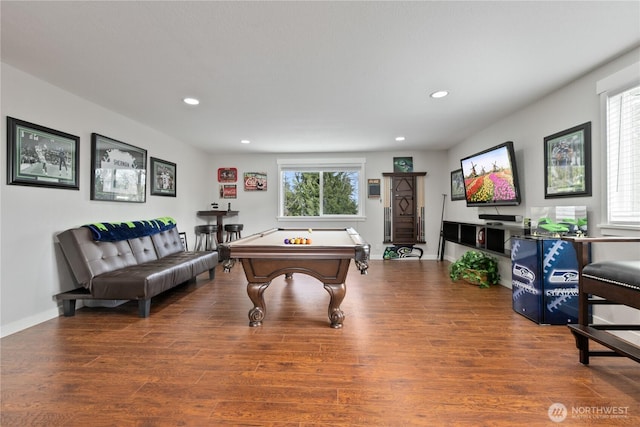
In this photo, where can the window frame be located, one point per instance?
(610, 86)
(323, 165)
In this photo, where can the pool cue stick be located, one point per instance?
(440, 240)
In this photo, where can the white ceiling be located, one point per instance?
(296, 77)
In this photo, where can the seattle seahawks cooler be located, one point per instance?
(545, 280)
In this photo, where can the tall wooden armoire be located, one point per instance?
(404, 208)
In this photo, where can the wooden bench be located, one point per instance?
(607, 282)
(619, 346)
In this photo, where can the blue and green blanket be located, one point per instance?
(114, 231)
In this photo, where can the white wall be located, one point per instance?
(570, 106)
(31, 268)
(258, 210)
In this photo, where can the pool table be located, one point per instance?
(326, 256)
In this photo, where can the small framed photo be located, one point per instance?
(403, 164)
(457, 185)
(374, 188)
(227, 174)
(228, 191)
(567, 163)
(119, 171)
(42, 157)
(163, 178)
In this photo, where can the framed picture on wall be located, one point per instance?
(373, 186)
(227, 174)
(403, 164)
(119, 171)
(228, 191)
(42, 157)
(567, 163)
(255, 181)
(163, 178)
(457, 185)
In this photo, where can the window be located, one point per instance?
(321, 188)
(620, 97)
(623, 157)
(620, 93)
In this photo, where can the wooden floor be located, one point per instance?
(415, 349)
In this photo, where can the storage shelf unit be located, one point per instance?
(496, 237)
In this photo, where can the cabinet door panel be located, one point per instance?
(404, 210)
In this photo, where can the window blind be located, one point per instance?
(623, 157)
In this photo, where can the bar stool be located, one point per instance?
(206, 237)
(233, 231)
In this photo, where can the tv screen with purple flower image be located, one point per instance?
(491, 177)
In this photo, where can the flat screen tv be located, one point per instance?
(491, 177)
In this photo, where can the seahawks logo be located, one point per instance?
(523, 272)
(563, 276)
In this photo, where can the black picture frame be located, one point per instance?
(567, 163)
(118, 170)
(403, 164)
(163, 177)
(457, 185)
(36, 156)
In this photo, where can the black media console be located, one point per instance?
(496, 237)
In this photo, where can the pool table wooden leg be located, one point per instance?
(337, 293)
(256, 291)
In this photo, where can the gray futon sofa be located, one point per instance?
(135, 268)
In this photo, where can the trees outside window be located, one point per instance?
(322, 189)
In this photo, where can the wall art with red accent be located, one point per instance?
(227, 174)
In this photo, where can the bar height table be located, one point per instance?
(219, 215)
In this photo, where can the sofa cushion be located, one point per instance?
(143, 249)
(89, 258)
(199, 261)
(167, 242)
(141, 281)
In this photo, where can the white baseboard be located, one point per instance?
(28, 322)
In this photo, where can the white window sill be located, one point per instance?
(619, 230)
(321, 218)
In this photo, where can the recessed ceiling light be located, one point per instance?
(440, 94)
(191, 101)
(245, 141)
(400, 138)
